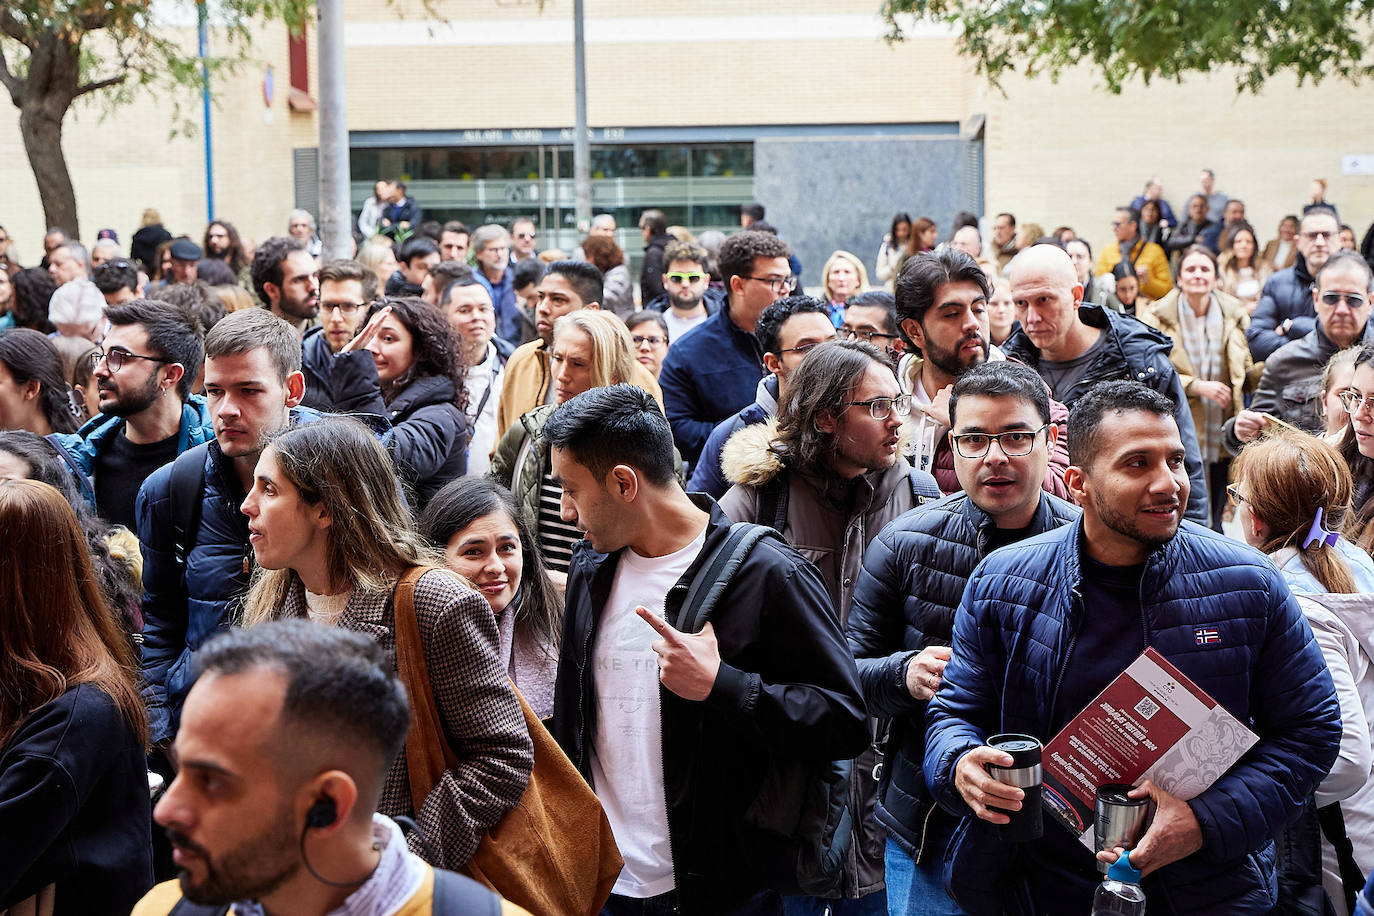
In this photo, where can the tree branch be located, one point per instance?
(13, 84)
(11, 27)
(98, 85)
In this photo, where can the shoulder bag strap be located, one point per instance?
(186, 494)
(457, 895)
(714, 575)
(770, 503)
(428, 754)
(1333, 828)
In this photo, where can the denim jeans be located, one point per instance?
(916, 890)
(874, 904)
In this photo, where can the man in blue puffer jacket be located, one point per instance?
(1028, 656)
(253, 384)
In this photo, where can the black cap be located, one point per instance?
(186, 250)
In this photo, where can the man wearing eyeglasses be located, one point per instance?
(1285, 313)
(1289, 387)
(941, 305)
(827, 475)
(151, 354)
(712, 371)
(688, 298)
(522, 239)
(872, 318)
(340, 377)
(902, 618)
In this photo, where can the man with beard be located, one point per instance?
(688, 298)
(1046, 624)
(286, 743)
(942, 300)
(827, 475)
(287, 281)
(222, 243)
(152, 353)
(340, 374)
(1075, 345)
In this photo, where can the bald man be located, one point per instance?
(1074, 345)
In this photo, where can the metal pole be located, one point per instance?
(582, 155)
(203, 42)
(335, 214)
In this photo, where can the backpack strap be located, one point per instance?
(924, 489)
(185, 907)
(770, 503)
(82, 481)
(186, 494)
(459, 895)
(1332, 824)
(714, 574)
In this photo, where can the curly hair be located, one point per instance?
(433, 343)
(738, 252)
(821, 383)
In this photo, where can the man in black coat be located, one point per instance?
(675, 730)
(902, 614)
(1285, 313)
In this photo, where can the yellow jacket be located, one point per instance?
(525, 384)
(1152, 258)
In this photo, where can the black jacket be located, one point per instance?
(651, 274)
(342, 383)
(74, 808)
(429, 434)
(1134, 352)
(786, 685)
(913, 577)
(1287, 294)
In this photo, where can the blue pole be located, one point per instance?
(204, 42)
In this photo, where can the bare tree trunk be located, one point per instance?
(42, 135)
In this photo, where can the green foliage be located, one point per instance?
(1166, 39)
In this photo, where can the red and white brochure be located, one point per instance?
(1151, 722)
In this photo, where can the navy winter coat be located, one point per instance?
(182, 608)
(1287, 294)
(707, 475)
(336, 383)
(708, 375)
(913, 577)
(1013, 635)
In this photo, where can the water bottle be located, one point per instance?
(1120, 893)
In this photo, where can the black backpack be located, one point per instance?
(454, 895)
(185, 495)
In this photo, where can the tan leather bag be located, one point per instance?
(553, 853)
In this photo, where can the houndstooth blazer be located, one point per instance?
(477, 708)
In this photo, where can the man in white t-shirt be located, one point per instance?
(467, 306)
(674, 730)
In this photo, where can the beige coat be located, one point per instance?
(1238, 369)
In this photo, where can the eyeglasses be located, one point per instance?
(1354, 300)
(1353, 401)
(115, 359)
(882, 408)
(779, 285)
(685, 278)
(851, 333)
(1014, 443)
(345, 308)
(1233, 491)
(640, 340)
(803, 349)
(1313, 236)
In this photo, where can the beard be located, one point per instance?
(951, 362)
(250, 871)
(686, 300)
(302, 309)
(1125, 525)
(128, 403)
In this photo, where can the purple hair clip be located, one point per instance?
(1319, 535)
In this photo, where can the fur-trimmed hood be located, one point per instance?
(746, 458)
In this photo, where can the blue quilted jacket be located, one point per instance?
(1013, 635)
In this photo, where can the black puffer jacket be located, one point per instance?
(1134, 352)
(429, 435)
(336, 383)
(1286, 295)
(786, 685)
(913, 577)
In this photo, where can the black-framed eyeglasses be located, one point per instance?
(779, 285)
(1354, 300)
(1233, 491)
(640, 340)
(1353, 401)
(345, 308)
(869, 336)
(882, 408)
(115, 358)
(1014, 443)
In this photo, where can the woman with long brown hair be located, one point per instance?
(75, 815)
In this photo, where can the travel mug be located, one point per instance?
(1025, 774)
(1118, 819)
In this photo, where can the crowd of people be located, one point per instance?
(460, 576)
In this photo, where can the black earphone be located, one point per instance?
(322, 813)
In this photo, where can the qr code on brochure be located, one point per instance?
(1146, 708)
